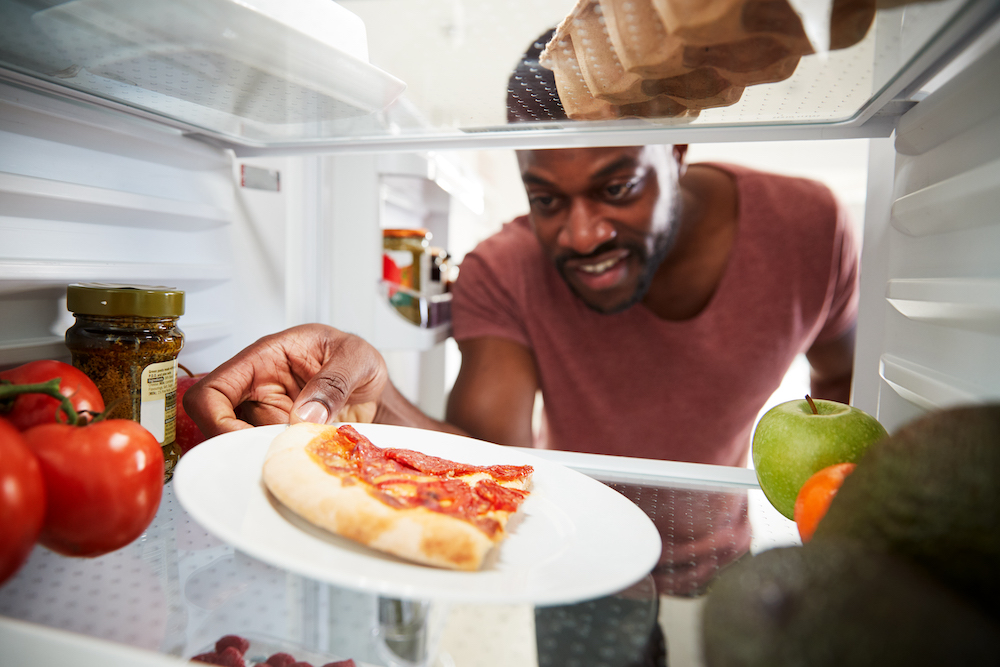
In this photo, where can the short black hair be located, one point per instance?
(531, 90)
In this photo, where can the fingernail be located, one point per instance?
(314, 412)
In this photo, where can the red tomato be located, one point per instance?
(22, 500)
(34, 409)
(103, 484)
(816, 495)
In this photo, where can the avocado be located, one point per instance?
(840, 604)
(930, 493)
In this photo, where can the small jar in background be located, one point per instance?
(404, 263)
(126, 340)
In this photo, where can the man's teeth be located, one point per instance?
(599, 267)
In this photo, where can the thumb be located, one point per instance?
(347, 388)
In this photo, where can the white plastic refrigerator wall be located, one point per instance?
(929, 330)
(91, 193)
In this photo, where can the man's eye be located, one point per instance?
(543, 202)
(617, 191)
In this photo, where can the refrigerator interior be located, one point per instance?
(269, 219)
(267, 225)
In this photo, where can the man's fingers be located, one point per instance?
(323, 396)
(211, 410)
(307, 373)
(359, 413)
(355, 375)
(263, 414)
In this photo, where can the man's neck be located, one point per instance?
(690, 275)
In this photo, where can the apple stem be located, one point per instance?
(812, 404)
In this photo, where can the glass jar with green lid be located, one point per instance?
(126, 340)
(404, 265)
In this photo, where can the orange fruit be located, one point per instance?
(816, 495)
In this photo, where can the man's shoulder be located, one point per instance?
(514, 241)
(781, 202)
(515, 232)
(783, 191)
(757, 179)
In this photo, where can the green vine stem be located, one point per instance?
(9, 391)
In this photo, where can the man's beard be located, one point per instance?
(650, 260)
(650, 256)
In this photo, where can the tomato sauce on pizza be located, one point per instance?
(403, 478)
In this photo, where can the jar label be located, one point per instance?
(158, 407)
(398, 267)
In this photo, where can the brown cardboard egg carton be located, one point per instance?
(672, 58)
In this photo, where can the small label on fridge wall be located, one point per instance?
(158, 407)
(259, 178)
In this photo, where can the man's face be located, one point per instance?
(605, 216)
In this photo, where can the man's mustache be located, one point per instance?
(607, 246)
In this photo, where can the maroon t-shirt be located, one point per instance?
(631, 384)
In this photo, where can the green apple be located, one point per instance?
(793, 440)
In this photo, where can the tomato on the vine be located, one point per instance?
(22, 500)
(103, 484)
(815, 496)
(33, 409)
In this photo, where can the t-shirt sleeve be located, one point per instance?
(484, 305)
(843, 285)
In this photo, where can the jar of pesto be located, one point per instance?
(126, 340)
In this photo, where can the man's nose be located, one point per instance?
(585, 228)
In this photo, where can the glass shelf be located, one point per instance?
(177, 589)
(261, 83)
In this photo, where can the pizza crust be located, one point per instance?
(348, 510)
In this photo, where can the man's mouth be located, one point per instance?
(599, 267)
(598, 263)
(603, 271)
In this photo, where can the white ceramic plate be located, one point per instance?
(577, 538)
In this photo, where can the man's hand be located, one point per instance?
(311, 373)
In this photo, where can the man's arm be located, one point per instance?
(494, 394)
(832, 364)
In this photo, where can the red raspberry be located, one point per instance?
(237, 642)
(301, 663)
(341, 663)
(231, 657)
(281, 660)
(207, 658)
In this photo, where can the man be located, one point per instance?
(657, 307)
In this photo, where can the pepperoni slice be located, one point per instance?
(398, 478)
(499, 497)
(431, 465)
(509, 473)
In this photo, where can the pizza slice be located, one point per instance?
(418, 507)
